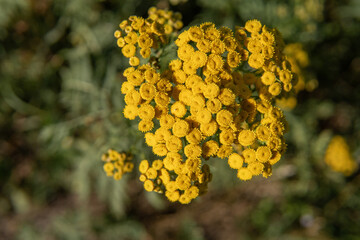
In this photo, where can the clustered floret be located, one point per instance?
(117, 164)
(215, 100)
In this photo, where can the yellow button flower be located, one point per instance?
(128, 50)
(244, 174)
(246, 137)
(249, 155)
(224, 118)
(178, 109)
(235, 161)
(263, 154)
(180, 128)
(146, 112)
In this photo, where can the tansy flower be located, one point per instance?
(198, 101)
(213, 105)
(178, 109)
(246, 137)
(194, 136)
(263, 154)
(192, 80)
(180, 128)
(167, 121)
(212, 34)
(172, 196)
(131, 38)
(179, 76)
(151, 76)
(285, 76)
(198, 58)
(226, 97)
(214, 63)
(157, 164)
(210, 148)
(224, 151)
(275, 157)
(146, 111)
(148, 185)
(209, 129)
(135, 78)
(145, 125)
(144, 166)
(133, 98)
(150, 139)
(255, 168)
(162, 134)
(190, 67)
(268, 78)
(211, 90)
(160, 149)
(126, 87)
(145, 52)
(130, 112)
(256, 60)
(147, 91)
(185, 52)
(233, 59)
(145, 40)
(162, 99)
(121, 42)
(184, 199)
(192, 150)
(204, 116)
(203, 45)
(174, 144)
(186, 96)
(217, 47)
(267, 37)
(224, 118)
(253, 26)
(117, 34)
(192, 192)
(235, 161)
(151, 173)
(230, 43)
(254, 45)
(183, 182)
(195, 34)
(226, 137)
(128, 50)
(244, 174)
(263, 133)
(277, 128)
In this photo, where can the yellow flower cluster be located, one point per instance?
(338, 156)
(299, 60)
(214, 100)
(117, 164)
(141, 34)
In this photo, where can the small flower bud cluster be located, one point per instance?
(138, 36)
(338, 156)
(117, 164)
(215, 100)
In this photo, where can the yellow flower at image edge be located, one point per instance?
(338, 156)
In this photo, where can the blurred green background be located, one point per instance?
(61, 108)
